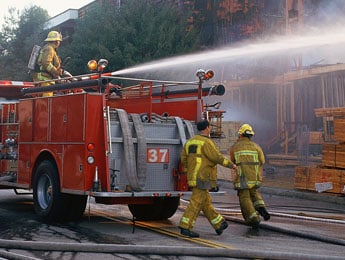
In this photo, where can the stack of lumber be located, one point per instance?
(339, 126)
(330, 111)
(333, 155)
(315, 137)
(320, 179)
(330, 175)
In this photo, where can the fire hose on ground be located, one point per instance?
(157, 250)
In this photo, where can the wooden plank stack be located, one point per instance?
(333, 155)
(315, 137)
(320, 179)
(339, 126)
(330, 175)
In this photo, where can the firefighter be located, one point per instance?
(199, 159)
(48, 61)
(249, 158)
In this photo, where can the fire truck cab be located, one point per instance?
(120, 145)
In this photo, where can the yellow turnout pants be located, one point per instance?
(250, 200)
(200, 200)
(40, 77)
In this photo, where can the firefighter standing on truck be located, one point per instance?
(199, 159)
(249, 159)
(49, 62)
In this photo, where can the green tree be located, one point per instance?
(139, 32)
(18, 35)
(9, 26)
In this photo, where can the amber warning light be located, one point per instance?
(209, 75)
(92, 65)
(204, 75)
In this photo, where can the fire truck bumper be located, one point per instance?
(138, 197)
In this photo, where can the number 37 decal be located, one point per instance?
(157, 155)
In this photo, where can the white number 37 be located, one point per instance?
(157, 155)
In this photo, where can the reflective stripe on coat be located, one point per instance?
(199, 159)
(249, 158)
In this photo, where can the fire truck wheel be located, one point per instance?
(48, 200)
(170, 206)
(162, 208)
(74, 206)
(50, 203)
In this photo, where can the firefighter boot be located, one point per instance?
(253, 220)
(263, 212)
(189, 233)
(223, 226)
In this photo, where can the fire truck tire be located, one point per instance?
(48, 200)
(169, 207)
(75, 205)
(50, 204)
(162, 208)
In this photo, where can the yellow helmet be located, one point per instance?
(53, 36)
(246, 129)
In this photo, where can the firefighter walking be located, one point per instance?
(199, 160)
(249, 158)
(48, 61)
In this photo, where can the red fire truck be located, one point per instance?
(120, 145)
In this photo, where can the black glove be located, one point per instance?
(214, 189)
